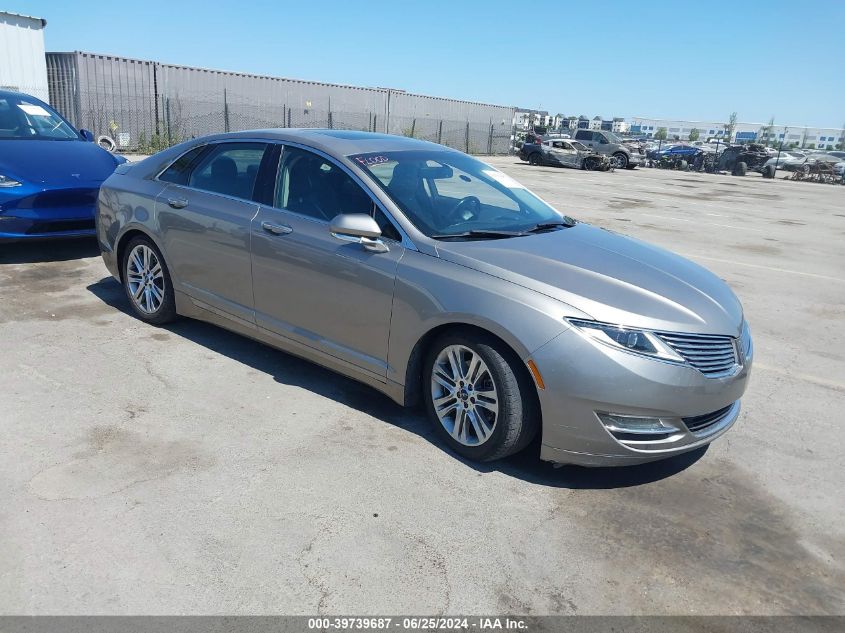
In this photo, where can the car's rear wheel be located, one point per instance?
(147, 283)
(478, 398)
(740, 169)
(768, 171)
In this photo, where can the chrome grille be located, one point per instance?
(712, 355)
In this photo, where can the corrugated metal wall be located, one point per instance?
(104, 94)
(22, 55)
(151, 105)
(206, 101)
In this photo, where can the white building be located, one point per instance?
(620, 126)
(799, 136)
(23, 65)
(526, 119)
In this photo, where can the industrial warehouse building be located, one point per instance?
(141, 103)
(800, 136)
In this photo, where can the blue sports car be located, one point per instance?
(50, 173)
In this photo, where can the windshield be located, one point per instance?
(579, 146)
(613, 138)
(449, 194)
(21, 119)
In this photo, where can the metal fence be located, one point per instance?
(146, 106)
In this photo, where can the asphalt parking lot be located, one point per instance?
(189, 470)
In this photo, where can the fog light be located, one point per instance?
(616, 423)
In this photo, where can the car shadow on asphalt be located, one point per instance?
(290, 370)
(48, 251)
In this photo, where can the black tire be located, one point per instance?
(166, 311)
(740, 169)
(621, 160)
(518, 418)
(535, 159)
(683, 165)
(768, 171)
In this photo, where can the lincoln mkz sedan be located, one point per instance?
(434, 277)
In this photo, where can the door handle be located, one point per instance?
(177, 203)
(276, 229)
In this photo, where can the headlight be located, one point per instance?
(5, 181)
(628, 339)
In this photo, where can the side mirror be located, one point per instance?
(88, 135)
(358, 228)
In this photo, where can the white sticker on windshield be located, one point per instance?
(503, 179)
(32, 109)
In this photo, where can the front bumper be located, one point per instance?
(636, 159)
(583, 379)
(34, 214)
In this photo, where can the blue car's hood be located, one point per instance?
(56, 163)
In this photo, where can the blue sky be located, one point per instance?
(690, 60)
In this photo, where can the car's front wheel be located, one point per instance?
(621, 160)
(478, 397)
(147, 283)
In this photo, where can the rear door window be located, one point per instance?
(229, 169)
(180, 169)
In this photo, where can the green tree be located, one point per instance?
(694, 134)
(660, 135)
(730, 127)
(767, 134)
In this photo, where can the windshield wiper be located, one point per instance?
(481, 233)
(545, 226)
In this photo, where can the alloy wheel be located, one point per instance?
(145, 279)
(464, 395)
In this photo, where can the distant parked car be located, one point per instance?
(609, 144)
(683, 157)
(785, 161)
(50, 173)
(563, 152)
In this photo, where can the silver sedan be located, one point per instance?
(434, 278)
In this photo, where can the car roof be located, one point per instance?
(337, 142)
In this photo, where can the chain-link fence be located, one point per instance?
(145, 106)
(145, 127)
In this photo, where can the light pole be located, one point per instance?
(780, 149)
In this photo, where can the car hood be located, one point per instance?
(56, 163)
(610, 277)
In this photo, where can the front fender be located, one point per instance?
(431, 292)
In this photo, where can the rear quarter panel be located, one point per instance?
(123, 204)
